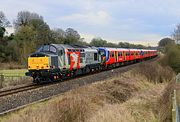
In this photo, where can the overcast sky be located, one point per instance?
(135, 21)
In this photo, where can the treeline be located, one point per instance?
(98, 42)
(172, 53)
(32, 31)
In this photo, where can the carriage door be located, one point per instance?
(61, 58)
(124, 55)
(116, 56)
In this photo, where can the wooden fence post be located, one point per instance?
(178, 78)
(1, 80)
(173, 109)
(175, 113)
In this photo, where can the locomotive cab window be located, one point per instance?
(47, 48)
(52, 49)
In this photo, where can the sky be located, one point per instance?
(134, 21)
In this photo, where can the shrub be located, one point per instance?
(172, 57)
(155, 72)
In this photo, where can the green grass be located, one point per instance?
(13, 72)
(13, 77)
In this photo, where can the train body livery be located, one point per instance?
(54, 62)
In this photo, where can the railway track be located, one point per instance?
(18, 89)
(21, 96)
(35, 86)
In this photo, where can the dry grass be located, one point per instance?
(155, 72)
(16, 81)
(126, 98)
(11, 65)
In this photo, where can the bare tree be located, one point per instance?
(3, 20)
(3, 23)
(72, 36)
(24, 18)
(176, 34)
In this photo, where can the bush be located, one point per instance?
(172, 57)
(155, 72)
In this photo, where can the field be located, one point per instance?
(129, 97)
(13, 72)
(13, 77)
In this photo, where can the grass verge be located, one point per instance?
(129, 97)
(13, 77)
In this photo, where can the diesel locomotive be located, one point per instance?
(55, 62)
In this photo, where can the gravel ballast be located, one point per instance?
(19, 99)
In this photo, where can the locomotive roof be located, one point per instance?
(90, 49)
(113, 49)
(135, 49)
(62, 46)
(147, 50)
(58, 46)
(71, 46)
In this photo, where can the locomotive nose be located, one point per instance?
(38, 62)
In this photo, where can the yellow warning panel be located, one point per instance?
(38, 63)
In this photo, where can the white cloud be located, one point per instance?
(11, 8)
(9, 31)
(100, 18)
(144, 21)
(144, 39)
(87, 37)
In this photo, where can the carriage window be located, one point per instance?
(95, 56)
(82, 55)
(127, 53)
(60, 53)
(141, 53)
(102, 52)
(81, 60)
(112, 54)
(119, 54)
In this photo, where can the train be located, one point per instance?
(56, 62)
